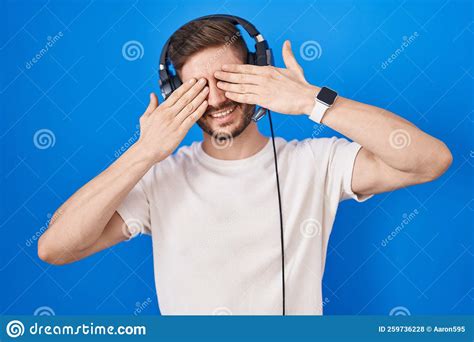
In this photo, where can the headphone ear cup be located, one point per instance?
(166, 89)
(175, 82)
(251, 58)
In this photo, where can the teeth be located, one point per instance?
(224, 113)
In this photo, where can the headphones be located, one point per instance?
(262, 56)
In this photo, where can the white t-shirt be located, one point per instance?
(216, 232)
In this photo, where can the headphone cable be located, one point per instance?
(281, 215)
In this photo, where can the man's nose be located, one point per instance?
(216, 97)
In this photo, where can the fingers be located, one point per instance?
(194, 117)
(238, 88)
(245, 69)
(242, 98)
(176, 95)
(234, 77)
(191, 107)
(289, 58)
(152, 105)
(189, 95)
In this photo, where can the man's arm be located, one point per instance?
(395, 153)
(88, 222)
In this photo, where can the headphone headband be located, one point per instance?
(262, 55)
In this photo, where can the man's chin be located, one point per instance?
(230, 129)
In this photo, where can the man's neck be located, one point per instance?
(248, 143)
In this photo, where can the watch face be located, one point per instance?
(327, 96)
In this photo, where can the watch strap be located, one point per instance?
(318, 111)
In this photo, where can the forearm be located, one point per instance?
(86, 223)
(394, 149)
(394, 140)
(80, 221)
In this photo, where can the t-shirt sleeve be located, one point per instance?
(135, 210)
(341, 160)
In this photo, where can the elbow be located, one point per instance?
(44, 252)
(47, 254)
(439, 163)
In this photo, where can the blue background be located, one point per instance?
(86, 93)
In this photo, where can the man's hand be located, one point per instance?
(381, 165)
(283, 90)
(88, 222)
(163, 127)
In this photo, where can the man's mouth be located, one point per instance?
(223, 113)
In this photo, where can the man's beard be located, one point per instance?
(221, 133)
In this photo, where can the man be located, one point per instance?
(212, 208)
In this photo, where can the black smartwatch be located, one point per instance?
(324, 100)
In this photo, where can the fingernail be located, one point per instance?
(192, 80)
(206, 88)
(202, 81)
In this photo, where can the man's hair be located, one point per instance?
(198, 35)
